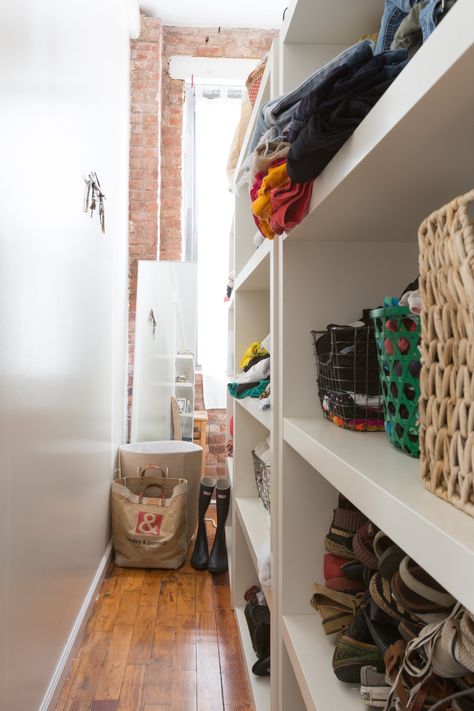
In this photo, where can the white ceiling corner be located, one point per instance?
(264, 14)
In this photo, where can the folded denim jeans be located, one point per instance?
(396, 11)
(278, 112)
(338, 106)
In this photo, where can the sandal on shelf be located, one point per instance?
(346, 522)
(381, 592)
(389, 555)
(419, 594)
(354, 650)
(337, 609)
(344, 525)
(383, 634)
(354, 570)
(422, 669)
(345, 585)
(363, 545)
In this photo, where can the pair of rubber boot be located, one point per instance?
(216, 560)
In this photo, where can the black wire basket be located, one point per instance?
(262, 479)
(348, 377)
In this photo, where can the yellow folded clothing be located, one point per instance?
(252, 351)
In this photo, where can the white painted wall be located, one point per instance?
(64, 95)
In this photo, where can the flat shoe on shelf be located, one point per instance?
(336, 609)
(363, 545)
(389, 555)
(355, 649)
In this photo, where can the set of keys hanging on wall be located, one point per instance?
(94, 197)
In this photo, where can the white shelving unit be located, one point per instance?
(412, 154)
(184, 367)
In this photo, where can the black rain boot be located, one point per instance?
(218, 557)
(200, 557)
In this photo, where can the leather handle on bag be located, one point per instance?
(141, 471)
(142, 494)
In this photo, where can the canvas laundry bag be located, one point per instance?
(149, 520)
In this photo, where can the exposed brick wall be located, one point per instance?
(193, 42)
(145, 119)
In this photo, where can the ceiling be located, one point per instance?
(211, 13)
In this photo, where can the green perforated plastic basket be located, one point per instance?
(397, 334)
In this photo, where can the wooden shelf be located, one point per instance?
(253, 519)
(310, 652)
(250, 404)
(406, 172)
(259, 685)
(336, 22)
(385, 484)
(255, 276)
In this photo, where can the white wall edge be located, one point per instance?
(54, 688)
(133, 11)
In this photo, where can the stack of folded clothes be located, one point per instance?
(399, 634)
(255, 378)
(297, 134)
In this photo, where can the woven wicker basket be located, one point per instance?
(254, 80)
(446, 241)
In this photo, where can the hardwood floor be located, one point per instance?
(159, 640)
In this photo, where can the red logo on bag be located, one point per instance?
(148, 523)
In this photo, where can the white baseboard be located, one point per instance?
(56, 683)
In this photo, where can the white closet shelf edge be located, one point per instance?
(255, 275)
(250, 405)
(260, 685)
(385, 484)
(310, 652)
(252, 517)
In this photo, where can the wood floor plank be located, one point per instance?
(186, 603)
(185, 648)
(155, 707)
(167, 602)
(106, 611)
(104, 706)
(209, 687)
(131, 694)
(128, 609)
(221, 591)
(235, 690)
(158, 681)
(84, 685)
(205, 594)
(113, 668)
(134, 578)
(68, 682)
(143, 633)
(151, 588)
(164, 643)
(228, 639)
(183, 692)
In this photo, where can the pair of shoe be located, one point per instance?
(216, 560)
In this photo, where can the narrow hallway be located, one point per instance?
(156, 640)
